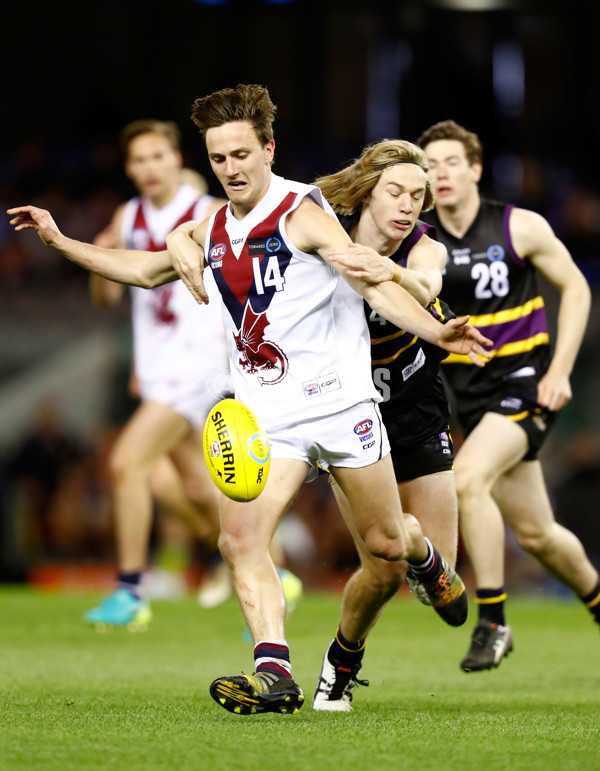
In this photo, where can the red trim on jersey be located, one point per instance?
(139, 223)
(238, 273)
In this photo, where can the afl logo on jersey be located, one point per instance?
(216, 254)
(273, 245)
(495, 252)
(363, 427)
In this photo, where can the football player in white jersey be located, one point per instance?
(159, 451)
(237, 129)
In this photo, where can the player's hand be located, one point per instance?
(188, 260)
(363, 263)
(460, 337)
(40, 220)
(554, 391)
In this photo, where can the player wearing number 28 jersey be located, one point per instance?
(488, 279)
(495, 252)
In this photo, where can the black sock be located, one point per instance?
(592, 600)
(491, 605)
(346, 651)
(130, 582)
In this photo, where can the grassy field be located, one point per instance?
(71, 698)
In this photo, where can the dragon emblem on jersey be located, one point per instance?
(163, 314)
(259, 356)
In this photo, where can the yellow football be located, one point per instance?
(236, 450)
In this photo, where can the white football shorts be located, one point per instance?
(352, 438)
(193, 400)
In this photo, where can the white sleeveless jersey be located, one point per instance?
(298, 341)
(175, 340)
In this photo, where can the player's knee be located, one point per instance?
(383, 545)
(534, 540)
(469, 482)
(120, 465)
(238, 545)
(125, 461)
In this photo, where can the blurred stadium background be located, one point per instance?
(525, 77)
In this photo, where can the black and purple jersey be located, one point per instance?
(487, 279)
(405, 368)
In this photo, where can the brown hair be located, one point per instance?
(448, 129)
(166, 129)
(346, 190)
(250, 103)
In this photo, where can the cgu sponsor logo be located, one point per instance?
(321, 385)
(225, 447)
(368, 446)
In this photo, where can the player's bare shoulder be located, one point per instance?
(313, 230)
(530, 232)
(427, 253)
(199, 231)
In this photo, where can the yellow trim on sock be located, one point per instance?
(491, 600)
(349, 650)
(594, 602)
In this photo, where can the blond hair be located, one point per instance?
(347, 189)
(449, 129)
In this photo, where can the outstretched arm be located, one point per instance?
(422, 277)
(314, 231)
(534, 240)
(126, 266)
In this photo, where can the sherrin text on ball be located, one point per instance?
(237, 450)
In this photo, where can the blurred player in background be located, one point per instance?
(495, 252)
(177, 375)
(379, 199)
(308, 381)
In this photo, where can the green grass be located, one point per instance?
(74, 699)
